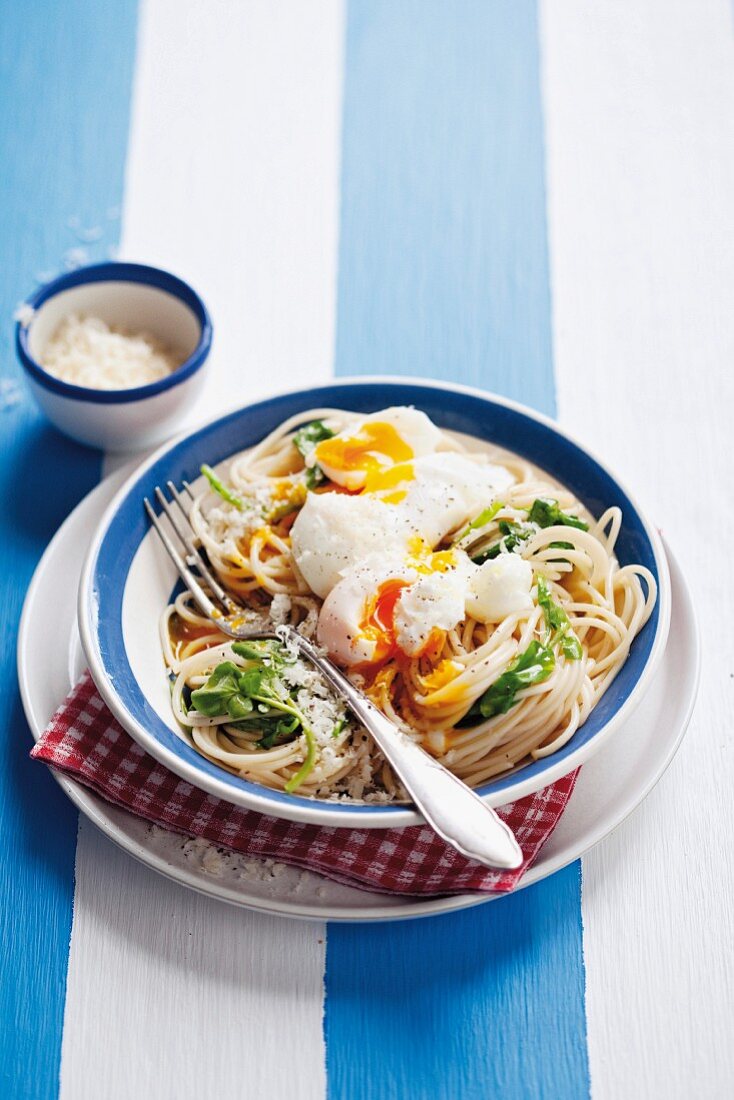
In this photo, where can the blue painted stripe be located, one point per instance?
(443, 271)
(65, 79)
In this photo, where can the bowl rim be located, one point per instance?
(115, 271)
(341, 814)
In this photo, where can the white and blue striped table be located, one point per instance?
(534, 197)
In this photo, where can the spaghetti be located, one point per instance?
(482, 696)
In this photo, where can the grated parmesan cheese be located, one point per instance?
(280, 609)
(88, 352)
(227, 524)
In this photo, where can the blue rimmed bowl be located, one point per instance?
(134, 297)
(127, 580)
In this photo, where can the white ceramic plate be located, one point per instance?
(610, 786)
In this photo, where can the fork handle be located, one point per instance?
(450, 807)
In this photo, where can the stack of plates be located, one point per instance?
(625, 745)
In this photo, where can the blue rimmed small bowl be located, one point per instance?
(127, 580)
(135, 297)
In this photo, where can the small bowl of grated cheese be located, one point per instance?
(114, 353)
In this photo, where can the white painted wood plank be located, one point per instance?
(233, 182)
(639, 103)
(176, 996)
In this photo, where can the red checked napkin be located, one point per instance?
(85, 742)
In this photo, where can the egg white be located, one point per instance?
(430, 601)
(341, 625)
(419, 434)
(448, 490)
(346, 545)
(334, 532)
(500, 588)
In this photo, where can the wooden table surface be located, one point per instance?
(535, 198)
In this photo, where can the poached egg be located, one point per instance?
(360, 456)
(364, 543)
(379, 610)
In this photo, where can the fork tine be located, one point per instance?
(188, 489)
(202, 565)
(179, 500)
(194, 553)
(182, 568)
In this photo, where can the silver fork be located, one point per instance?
(449, 806)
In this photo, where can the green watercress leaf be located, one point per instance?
(339, 725)
(255, 651)
(304, 440)
(532, 667)
(546, 513)
(513, 534)
(258, 698)
(314, 476)
(239, 707)
(307, 437)
(481, 520)
(571, 646)
(221, 489)
(278, 732)
(558, 625)
(211, 700)
(555, 617)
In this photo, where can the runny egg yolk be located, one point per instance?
(443, 674)
(389, 481)
(425, 560)
(378, 625)
(374, 451)
(379, 621)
